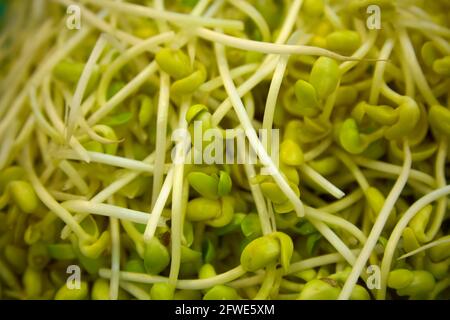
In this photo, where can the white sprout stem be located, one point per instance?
(250, 131)
(131, 87)
(321, 181)
(172, 17)
(379, 71)
(250, 83)
(173, 122)
(329, 104)
(161, 132)
(425, 247)
(348, 162)
(7, 144)
(113, 18)
(267, 283)
(317, 262)
(416, 12)
(255, 15)
(398, 231)
(53, 59)
(410, 88)
(25, 133)
(420, 187)
(49, 201)
(200, 7)
(50, 108)
(266, 67)
(362, 84)
(108, 211)
(147, 45)
(248, 281)
(394, 169)
(312, 198)
(439, 287)
(64, 196)
(318, 149)
(258, 196)
(135, 235)
(42, 143)
(427, 27)
(111, 160)
(58, 124)
(391, 94)
(333, 18)
(214, 8)
(274, 88)
(74, 176)
(441, 88)
(295, 267)
(94, 135)
(289, 21)
(187, 284)
(378, 226)
(217, 82)
(74, 109)
(334, 240)
(343, 203)
(441, 44)
(119, 183)
(359, 54)
(441, 206)
(135, 290)
(47, 173)
(96, 20)
(49, 130)
(360, 27)
(39, 117)
(337, 221)
(184, 202)
(263, 208)
(115, 259)
(249, 103)
(290, 286)
(159, 207)
(162, 24)
(266, 47)
(416, 71)
(271, 213)
(22, 64)
(177, 194)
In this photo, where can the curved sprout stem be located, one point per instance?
(250, 132)
(172, 17)
(378, 226)
(115, 259)
(397, 233)
(424, 247)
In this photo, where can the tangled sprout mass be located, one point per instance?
(116, 123)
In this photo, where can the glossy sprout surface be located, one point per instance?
(208, 149)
